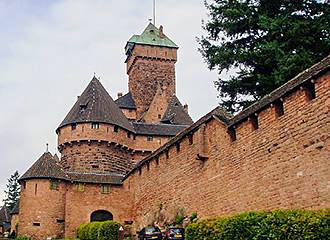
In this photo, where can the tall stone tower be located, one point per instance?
(151, 59)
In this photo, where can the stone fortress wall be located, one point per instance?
(277, 157)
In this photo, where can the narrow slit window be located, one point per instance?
(148, 166)
(279, 108)
(232, 134)
(128, 134)
(35, 189)
(157, 160)
(254, 122)
(167, 154)
(115, 129)
(191, 139)
(309, 89)
(140, 171)
(178, 147)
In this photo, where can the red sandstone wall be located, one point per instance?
(43, 206)
(283, 164)
(80, 205)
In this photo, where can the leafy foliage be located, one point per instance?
(23, 238)
(280, 224)
(13, 191)
(266, 42)
(98, 231)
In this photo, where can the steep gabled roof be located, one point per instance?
(45, 167)
(96, 105)
(175, 113)
(126, 101)
(152, 36)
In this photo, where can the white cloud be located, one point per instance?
(53, 49)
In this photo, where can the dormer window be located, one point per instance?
(95, 125)
(83, 108)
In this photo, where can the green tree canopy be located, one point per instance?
(13, 191)
(266, 43)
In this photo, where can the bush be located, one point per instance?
(23, 238)
(280, 224)
(109, 230)
(93, 231)
(98, 231)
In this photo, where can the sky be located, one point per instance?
(50, 49)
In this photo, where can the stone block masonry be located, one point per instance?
(282, 162)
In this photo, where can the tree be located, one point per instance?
(265, 43)
(13, 191)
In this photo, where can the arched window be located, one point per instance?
(101, 216)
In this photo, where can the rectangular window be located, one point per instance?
(36, 224)
(167, 154)
(35, 189)
(159, 116)
(309, 89)
(279, 108)
(254, 122)
(95, 125)
(148, 166)
(134, 137)
(115, 129)
(80, 187)
(73, 126)
(150, 139)
(54, 184)
(128, 134)
(157, 160)
(232, 134)
(60, 221)
(105, 189)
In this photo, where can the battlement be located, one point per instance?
(254, 160)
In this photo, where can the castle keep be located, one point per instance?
(139, 158)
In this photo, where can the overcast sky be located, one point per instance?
(49, 50)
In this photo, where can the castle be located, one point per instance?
(140, 158)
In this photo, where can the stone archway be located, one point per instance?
(101, 216)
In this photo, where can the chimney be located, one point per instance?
(120, 94)
(161, 32)
(185, 108)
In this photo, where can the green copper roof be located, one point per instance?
(152, 36)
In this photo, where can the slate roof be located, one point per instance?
(45, 167)
(126, 101)
(15, 209)
(4, 215)
(96, 105)
(158, 129)
(110, 178)
(48, 167)
(175, 113)
(151, 36)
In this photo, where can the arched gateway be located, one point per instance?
(101, 216)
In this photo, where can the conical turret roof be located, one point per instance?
(96, 105)
(45, 167)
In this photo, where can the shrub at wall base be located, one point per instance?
(98, 231)
(280, 224)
